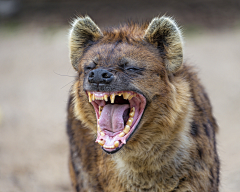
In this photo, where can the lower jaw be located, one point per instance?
(112, 144)
(121, 145)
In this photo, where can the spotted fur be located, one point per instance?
(174, 146)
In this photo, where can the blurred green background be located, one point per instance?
(36, 76)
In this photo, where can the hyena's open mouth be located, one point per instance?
(118, 114)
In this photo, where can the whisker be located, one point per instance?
(63, 75)
(68, 83)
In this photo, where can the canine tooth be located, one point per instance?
(116, 143)
(112, 97)
(106, 97)
(102, 134)
(126, 95)
(121, 134)
(132, 114)
(101, 142)
(130, 121)
(90, 97)
(126, 129)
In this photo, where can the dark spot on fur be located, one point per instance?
(211, 177)
(199, 108)
(194, 129)
(200, 152)
(206, 129)
(217, 167)
(120, 41)
(180, 181)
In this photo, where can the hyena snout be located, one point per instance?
(100, 76)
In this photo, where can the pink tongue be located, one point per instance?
(111, 118)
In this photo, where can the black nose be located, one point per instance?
(100, 76)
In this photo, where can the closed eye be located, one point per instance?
(90, 66)
(132, 69)
(135, 70)
(129, 68)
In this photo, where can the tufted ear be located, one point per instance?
(83, 32)
(165, 34)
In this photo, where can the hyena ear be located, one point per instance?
(83, 32)
(165, 34)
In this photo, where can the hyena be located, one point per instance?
(138, 117)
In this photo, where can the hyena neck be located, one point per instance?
(165, 158)
(160, 155)
(152, 171)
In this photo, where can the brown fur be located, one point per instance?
(173, 148)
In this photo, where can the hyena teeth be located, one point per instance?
(98, 98)
(109, 147)
(131, 96)
(130, 121)
(126, 95)
(98, 127)
(93, 97)
(119, 94)
(132, 114)
(101, 142)
(132, 109)
(126, 129)
(121, 134)
(116, 143)
(112, 97)
(106, 98)
(102, 134)
(90, 97)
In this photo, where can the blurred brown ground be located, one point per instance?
(36, 75)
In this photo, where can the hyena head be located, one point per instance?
(123, 92)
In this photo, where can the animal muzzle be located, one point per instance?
(100, 76)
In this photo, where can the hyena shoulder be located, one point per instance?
(138, 117)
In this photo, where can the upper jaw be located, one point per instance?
(118, 114)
